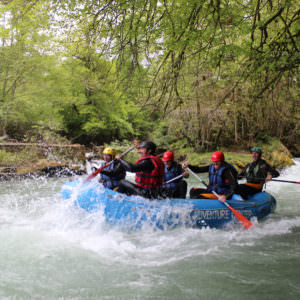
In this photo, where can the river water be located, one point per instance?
(49, 250)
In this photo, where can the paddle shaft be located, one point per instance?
(244, 221)
(287, 181)
(279, 180)
(195, 175)
(203, 182)
(173, 179)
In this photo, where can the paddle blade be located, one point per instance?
(245, 222)
(96, 173)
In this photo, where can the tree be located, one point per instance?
(22, 63)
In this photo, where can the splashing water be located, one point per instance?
(50, 250)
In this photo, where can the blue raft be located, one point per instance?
(133, 212)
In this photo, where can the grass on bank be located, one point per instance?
(14, 159)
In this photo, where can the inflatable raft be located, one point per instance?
(133, 212)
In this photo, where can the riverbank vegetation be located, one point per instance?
(27, 159)
(194, 76)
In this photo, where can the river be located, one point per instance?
(49, 250)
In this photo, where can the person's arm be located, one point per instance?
(144, 165)
(117, 170)
(185, 174)
(271, 172)
(197, 169)
(181, 171)
(242, 174)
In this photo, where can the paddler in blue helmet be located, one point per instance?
(257, 173)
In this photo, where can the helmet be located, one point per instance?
(217, 156)
(256, 149)
(148, 145)
(109, 151)
(168, 156)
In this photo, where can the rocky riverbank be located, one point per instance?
(23, 160)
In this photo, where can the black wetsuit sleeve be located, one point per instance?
(196, 169)
(179, 169)
(243, 173)
(228, 176)
(143, 166)
(117, 170)
(271, 170)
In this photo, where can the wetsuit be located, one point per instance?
(255, 173)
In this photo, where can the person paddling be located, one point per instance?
(149, 171)
(111, 176)
(222, 178)
(178, 187)
(256, 173)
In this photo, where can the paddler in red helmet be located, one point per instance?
(222, 178)
(174, 186)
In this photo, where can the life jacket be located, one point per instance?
(153, 179)
(171, 173)
(254, 171)
(216, 182)
(111, 182)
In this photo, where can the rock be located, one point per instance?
(41, 169)
(51, 168)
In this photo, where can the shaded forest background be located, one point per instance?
(193, 74)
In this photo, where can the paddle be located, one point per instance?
(287, 181)
(173, 179)
(244, 221)
(279, 180)
(107, 164)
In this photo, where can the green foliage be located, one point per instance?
(39, 134)
(13, 159)
(191, 75)
(122, 146)
(273, 150)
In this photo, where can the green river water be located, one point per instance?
(49, 250)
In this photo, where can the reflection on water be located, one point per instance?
(51, 250)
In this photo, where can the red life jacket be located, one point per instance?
(154, 179)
